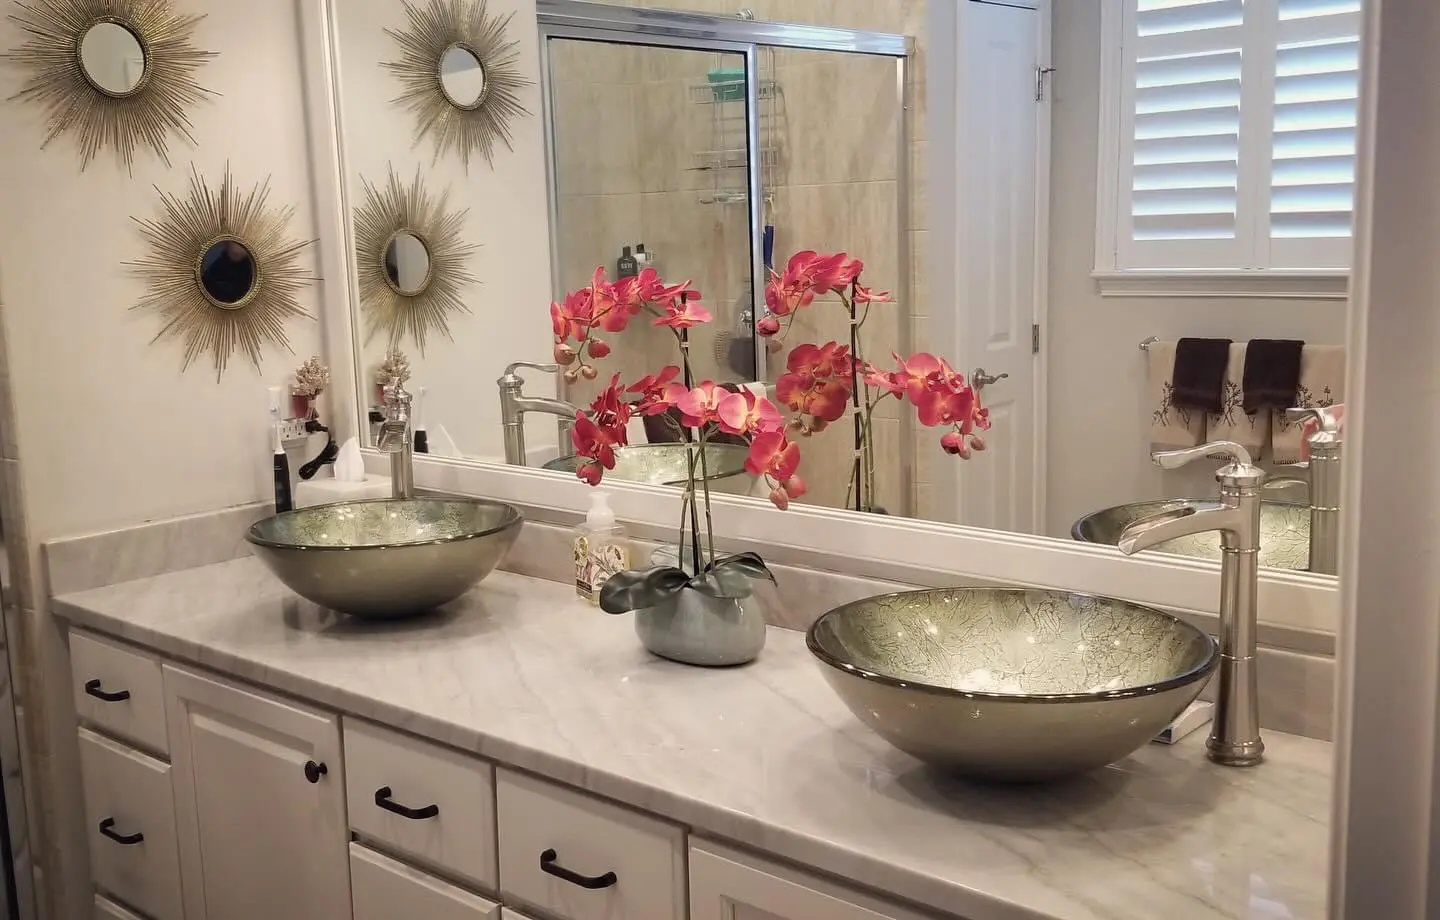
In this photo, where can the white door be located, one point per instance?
(999, 175)
(728, 885)
(259, 804)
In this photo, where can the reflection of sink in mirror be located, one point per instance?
(1284, 531)
(665, 464)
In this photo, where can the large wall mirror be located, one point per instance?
(716, 158)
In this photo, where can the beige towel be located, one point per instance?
(1231, 423)
(1322, 383)
(1171, 427)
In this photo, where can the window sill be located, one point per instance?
(1268, 284)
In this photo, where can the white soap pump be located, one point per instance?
(601, 548)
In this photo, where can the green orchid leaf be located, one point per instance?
(749, 563)
(637, 590)
(730, 577)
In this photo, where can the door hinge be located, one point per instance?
(1035, 339)
(1040, 74)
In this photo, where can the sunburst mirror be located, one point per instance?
(411, 261)
(461, 77)
(223, 273)
(117, 73)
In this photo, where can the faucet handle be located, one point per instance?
(510, 369)
(1174, 459)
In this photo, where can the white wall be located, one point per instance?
(509, 220)
(111, 433)
(1097, 439)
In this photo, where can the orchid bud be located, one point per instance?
(768, 325)
(599, 348)
(564, 354)
(953, 443)
(588, 372)
(780, 498)
(977, 443)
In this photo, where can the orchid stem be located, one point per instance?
(684, 336)
(855, 394)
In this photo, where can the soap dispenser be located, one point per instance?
(600, 548)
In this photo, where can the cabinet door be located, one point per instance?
(728, 885)
(108, 910)
(389, 890)
(259, 802)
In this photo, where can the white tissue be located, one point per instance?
(349, 465)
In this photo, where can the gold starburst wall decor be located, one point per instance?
(461, 77)
(116, 73)
(411, 261)
(222, 272)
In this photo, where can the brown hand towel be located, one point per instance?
(1199, 378)
(1272, 374)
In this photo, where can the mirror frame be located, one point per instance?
(1302, 609)
(149, 115)
(177, 240)
(387, 213)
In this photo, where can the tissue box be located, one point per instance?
(319, 491)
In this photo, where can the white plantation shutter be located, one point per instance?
(1236, 140)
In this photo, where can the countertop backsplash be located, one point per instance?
(1296, 688)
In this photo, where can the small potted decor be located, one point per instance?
(697, 607)
(822, 382)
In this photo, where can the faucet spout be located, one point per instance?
(1159, 528)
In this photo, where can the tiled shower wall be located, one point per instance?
(834, 126)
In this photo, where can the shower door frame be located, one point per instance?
(581, 20)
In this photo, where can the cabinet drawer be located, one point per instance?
(106, 909)
(386, 890)
(578, 858)
(118, 691)
(130, 819)
(508, 913)
(429, 803)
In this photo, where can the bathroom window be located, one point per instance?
(1227, 146)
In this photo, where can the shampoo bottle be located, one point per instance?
(600, 548)
(280, 461)
(626, 266)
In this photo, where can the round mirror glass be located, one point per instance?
(227, 272)
(112, 58)
(462, 76)
(407, 263)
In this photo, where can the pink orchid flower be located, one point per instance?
(815, 399)
(829, 360)
(571, 318)
(701, 405)
(864, 295)
(746, 413)
(683, 314)
(916, 372)
(887, 382)
(654, 390)
(774, 455)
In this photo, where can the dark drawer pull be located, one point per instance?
(92, 687)
(549, 866)
(382, 798)
(107, 827)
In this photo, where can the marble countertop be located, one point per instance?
(764, 755)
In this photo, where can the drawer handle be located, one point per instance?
(107, 827)
(313, 771)
(382, 798)
(549, 866)
(92, 687)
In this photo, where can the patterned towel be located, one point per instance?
(1231, 423)
(1172, 427)
(1322, 383)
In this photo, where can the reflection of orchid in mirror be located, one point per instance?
(698, 412)
(821, 381)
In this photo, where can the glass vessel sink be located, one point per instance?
(666, 465)
(1010, 684)
(387, 558)
(1284, 531)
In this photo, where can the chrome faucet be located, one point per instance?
(397, 440)
(1326, 444)
(1235, 733)
(514, 404)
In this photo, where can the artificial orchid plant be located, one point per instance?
(822, 382)
(696, 410)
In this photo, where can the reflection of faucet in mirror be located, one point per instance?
(1326, 445)
(514, 404)
(1235, 735)
(395, 439)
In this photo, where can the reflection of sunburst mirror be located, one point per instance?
(461, 76)
(114, 72)
(411, 262)
(222, 272)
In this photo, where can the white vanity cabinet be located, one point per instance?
(259, 802)
(728, 885)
